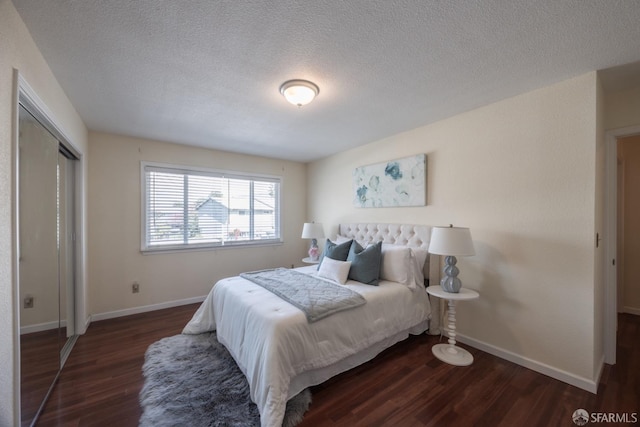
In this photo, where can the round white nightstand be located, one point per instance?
(451, 353)
(308, 260)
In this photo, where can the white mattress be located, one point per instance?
(281, 354)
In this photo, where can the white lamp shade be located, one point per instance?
(312, 230)
(455, 241)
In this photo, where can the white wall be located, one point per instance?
(17, 50)
(521, 174)
(622, 108)
(115, 259)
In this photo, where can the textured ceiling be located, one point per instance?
(207, 73)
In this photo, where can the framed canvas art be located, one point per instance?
(395, 183)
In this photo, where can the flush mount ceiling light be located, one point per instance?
(299, 92)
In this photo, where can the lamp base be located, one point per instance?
(452, 354)
(314, 251)
(450, 282)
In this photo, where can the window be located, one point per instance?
(195, 208)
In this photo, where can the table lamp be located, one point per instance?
(451, 242)
(313, 231)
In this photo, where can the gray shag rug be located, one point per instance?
(192, 380)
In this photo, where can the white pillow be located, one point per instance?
(420, 258)
(396, 265)
(403, 265)
(331, 269)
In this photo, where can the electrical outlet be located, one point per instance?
(28, 301)
(135, 288)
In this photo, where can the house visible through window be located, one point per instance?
(187, 208)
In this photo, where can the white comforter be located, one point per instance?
(272, 342)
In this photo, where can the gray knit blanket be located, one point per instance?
(317, 298)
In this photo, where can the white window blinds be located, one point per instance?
(187, 208)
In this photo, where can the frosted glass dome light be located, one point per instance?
(299, 92)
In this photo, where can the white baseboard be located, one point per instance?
(144, 309)
(599, 373)
(550, 371)
(29, 329)
(87, 322)
(631, 310)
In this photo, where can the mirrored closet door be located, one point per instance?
(46, 261)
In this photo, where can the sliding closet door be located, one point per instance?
(66, 249)
(38, 258)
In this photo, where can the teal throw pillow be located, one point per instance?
(365, 263)
(335, 251)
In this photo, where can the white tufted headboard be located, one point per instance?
(416, 236)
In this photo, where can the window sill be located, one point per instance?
(199, 248)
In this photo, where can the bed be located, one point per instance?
(281, 352)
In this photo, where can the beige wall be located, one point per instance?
(17, 50)
(622, 108)
(114, 225)
(521, 174)
(629, 155)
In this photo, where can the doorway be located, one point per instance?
(615, 226)
(628, 217)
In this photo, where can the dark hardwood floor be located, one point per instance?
(102, 377)
(404, 386)
(39, 365)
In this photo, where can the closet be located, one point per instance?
(46, 258)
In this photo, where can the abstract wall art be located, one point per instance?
(400, 182)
